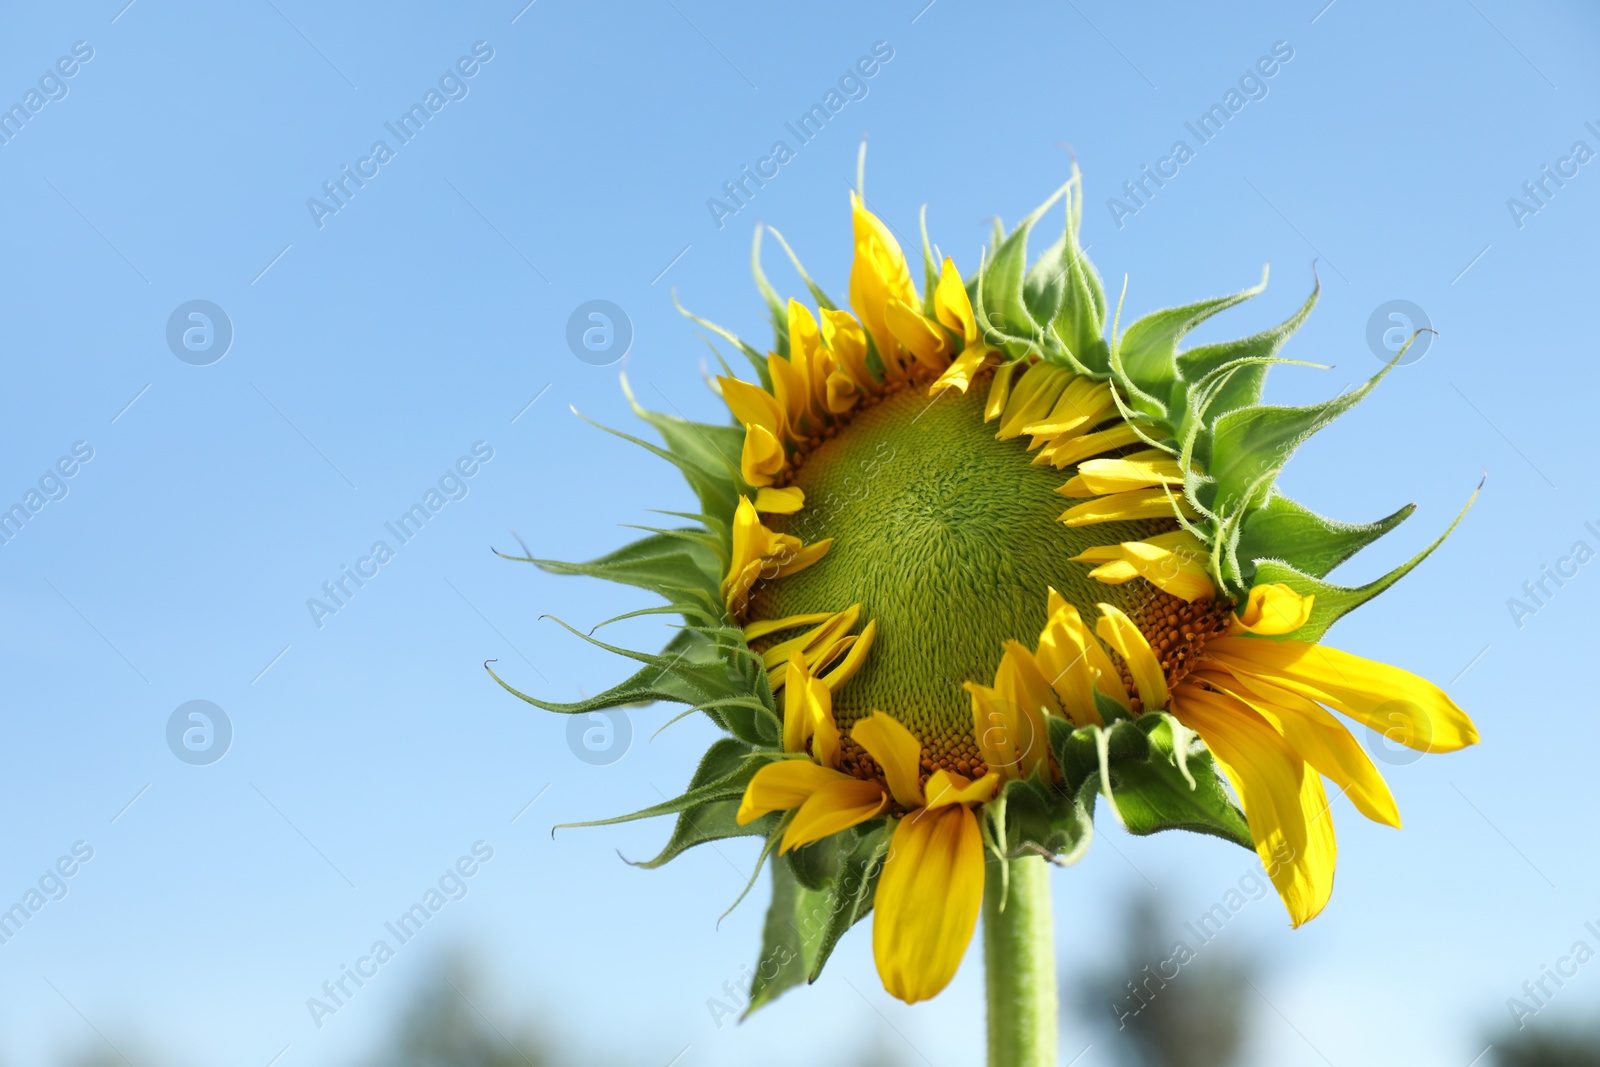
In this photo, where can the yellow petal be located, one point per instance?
(854, 658)
(1000, 390)
(808, 714)
(792, 389)
(1273, 610)
(1069, 449)
(925, 340)
(1117, 572)
(764, 627)
(1033, 398)
(1142, 470)
(1394, 702)
(927, 902)
(1081, 405)
(780, 501)
(842, 392)
(878, 274)
(1283, 802)
(784, 784)
(1139, 504)
(793, 562)
(1021, 681)
(946, 787)
(831, 628)
(848, 342)
(1180, 571)
(962, 370)
(751, 404)
(1076, 665)
(1127, 641)
(951, 305)
(1318, 737)
(834, 807)
(897, 751)
(762, 457)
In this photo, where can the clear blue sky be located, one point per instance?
(372, 352)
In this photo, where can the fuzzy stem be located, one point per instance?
(1019, 956)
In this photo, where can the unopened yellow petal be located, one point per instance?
(784, 784)
(1000, 390)
(1070, 449)
(1396, 703)
(897, 751)
(834, 807)
(1273, 610)
(1138, 504)
(1082, 404)
(1142, 470)
(1283, 802)
(928, 900)
(1119, 631)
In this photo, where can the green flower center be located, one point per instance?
(950, 540)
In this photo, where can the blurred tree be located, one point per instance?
(447, 1024)
(1160, 1005)
(1550, 1045)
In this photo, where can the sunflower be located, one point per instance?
(967, 561)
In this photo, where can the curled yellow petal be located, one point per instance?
(897, 751)
(946, 787)
(962, 370)
(1274, 610)
(927, 902)
(1124, 637)
(762, 456)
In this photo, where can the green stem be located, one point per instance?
(1019, 956)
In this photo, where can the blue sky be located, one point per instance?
(376, 347)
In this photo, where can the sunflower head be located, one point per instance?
(968, 562)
